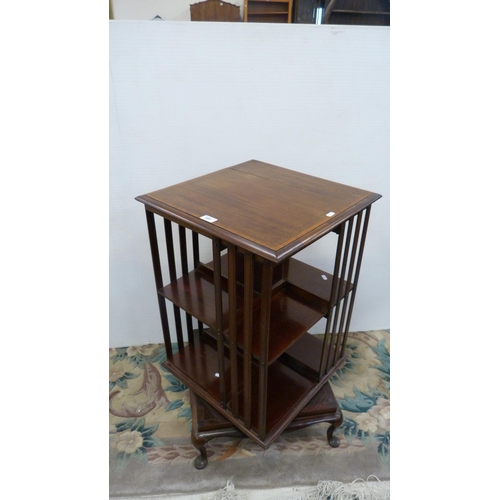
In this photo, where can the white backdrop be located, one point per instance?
(190, 98)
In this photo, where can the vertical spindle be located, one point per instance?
(155, 254)
(334, 292)
(265, 318)
(358, 267)
(233, 348)
(333, 356)
(173, 276)
(247, 339)
(196, 260)
(185, 271)
(216, 246)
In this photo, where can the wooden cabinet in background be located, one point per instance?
(268, 11)
(352, 12)
(360, 12)
(215, 11)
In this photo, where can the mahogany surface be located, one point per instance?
(197, 367)
(269, 210)
(290, 317)
(208, 423)
(251, 356)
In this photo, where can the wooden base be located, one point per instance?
(208, 423)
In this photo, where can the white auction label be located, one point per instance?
(208, 218)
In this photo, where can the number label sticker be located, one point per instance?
(208, 218)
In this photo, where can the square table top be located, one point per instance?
(269, 210)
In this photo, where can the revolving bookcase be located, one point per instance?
(242, 319)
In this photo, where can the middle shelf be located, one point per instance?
(301, 296)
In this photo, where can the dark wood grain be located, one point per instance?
(256, 363)
(233, 325)
(215, 11)
(208, 423)
(197, 366)
(247, 336)
(290, 314)
(169, 241)
(155, 255)
(270, 206)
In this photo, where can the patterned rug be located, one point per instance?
(150, 424)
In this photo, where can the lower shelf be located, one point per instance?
(208, 423)
(322, 407)
(305, 357)
(287, 392)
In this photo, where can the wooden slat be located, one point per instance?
(264, 345)
(336, 331)
(173, 276)
(342, 333)
(233, 348)
(196, 260)
(247, 338)
(358, 268)
(185, 271)
(334, 295)
(155, 254)
(216, 245)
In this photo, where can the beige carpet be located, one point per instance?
(150, 423)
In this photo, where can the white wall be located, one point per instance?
(190, 98)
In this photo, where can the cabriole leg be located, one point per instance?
(199, 443)
(334, 441)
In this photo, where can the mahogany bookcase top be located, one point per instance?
(271, 211)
